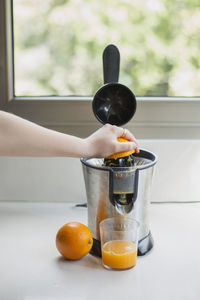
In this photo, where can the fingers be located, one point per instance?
(132, 138)
(126, 146)
(129, 136)
(122, 132)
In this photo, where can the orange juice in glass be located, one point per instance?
(119, 243)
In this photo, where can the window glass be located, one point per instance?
(58, 46)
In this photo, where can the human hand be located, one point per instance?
(103, 142)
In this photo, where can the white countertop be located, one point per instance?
(32, 269)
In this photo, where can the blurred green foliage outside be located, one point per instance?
(58, 46)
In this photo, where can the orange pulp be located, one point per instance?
(119, 254)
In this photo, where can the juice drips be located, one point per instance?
(124, 213)
(123, 209)
(118, 254)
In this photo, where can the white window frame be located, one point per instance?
(155, 118)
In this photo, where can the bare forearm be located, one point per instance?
(19, 137)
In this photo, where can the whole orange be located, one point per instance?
(74, 240)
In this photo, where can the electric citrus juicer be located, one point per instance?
(124, 189)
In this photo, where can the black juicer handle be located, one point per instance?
(111, 62)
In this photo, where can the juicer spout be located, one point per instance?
(124, 209)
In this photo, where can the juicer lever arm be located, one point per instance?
(111, 62)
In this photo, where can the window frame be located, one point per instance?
(155, 118)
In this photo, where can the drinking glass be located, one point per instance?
(119, 240)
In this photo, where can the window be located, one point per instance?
(58, 46)
(51, 62)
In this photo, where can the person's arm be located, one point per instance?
(19, 137)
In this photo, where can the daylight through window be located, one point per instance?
(58, 46)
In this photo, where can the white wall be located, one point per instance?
(176, 176)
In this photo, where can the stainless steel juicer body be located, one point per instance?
(103, 183)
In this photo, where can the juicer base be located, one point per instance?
(144, 246)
